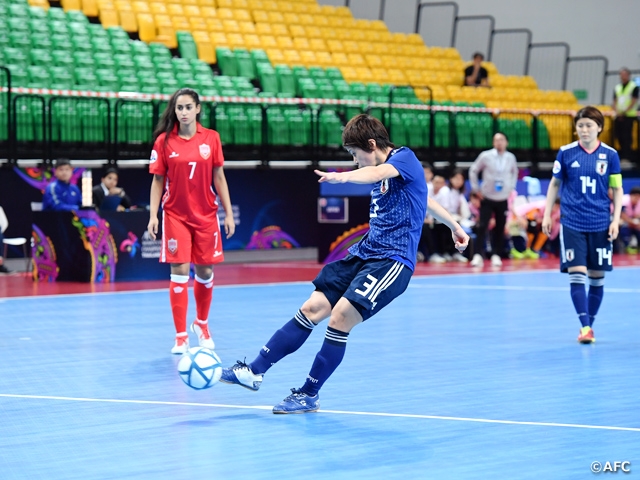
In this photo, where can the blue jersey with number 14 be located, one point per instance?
(584, 194)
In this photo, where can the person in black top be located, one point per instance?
(109, 187)
(476, 75)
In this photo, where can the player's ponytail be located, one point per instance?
(168, 119)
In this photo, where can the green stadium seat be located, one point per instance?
(40, 57)
(77, 16)
(334, 73)
(16, 56)
(124, 61)
(98, 31)
(227, 61)
(117, 33)
(222, 124)
(19, 77)
(18, 11)
(286, 81)
(268, 78)
(62, 58)
(259, 58)
(244, 63)
(19, 39)
(159, 52)
(186, 45)
(37, 25)
(330, 128)
(81, 43)
(55, 13)
(37, 12)
(83, 59)
(61, 43)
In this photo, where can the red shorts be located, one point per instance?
(184, 243)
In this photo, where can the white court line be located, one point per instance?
(335, 412)
(516, 287)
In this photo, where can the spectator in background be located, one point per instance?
(109, 187)
(441, 195)
(60, 195)
(3, 268)
(625, 104)
(459, 210)
(499, 176)
(475, 75)
(426, 245)
(630, 231)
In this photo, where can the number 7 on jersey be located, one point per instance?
(193, 169)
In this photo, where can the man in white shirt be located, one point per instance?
(499, 176)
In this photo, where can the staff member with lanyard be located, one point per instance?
(499, 176)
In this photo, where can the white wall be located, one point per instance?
(590, 27)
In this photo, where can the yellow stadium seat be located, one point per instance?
(269, 41)
(274, 17)
(260, 16)
(291, 57)
(158, 7)
(340, 59)
(335, 46)
(284, 6)
(308, 58)
(374, 61)
(315, 32)
(366, 48)
(379, 25)
(280, 30)
(162, 20)
(291, 18)
(356, 60)
(109, 18)
(297, 31)
(180, 23)
(242, 15)
(124, 5)
(170, 41)
(247, 27)
(284, 43)
(324, 59)
(189, 2)
(317, 44)
(343, 12)
(242, 4)
(364, 74)
(263, 28)
(270, 6)
(192, 11)
(298, 8)
(175, 9)
(328, 10)
(128, 21)
(197, 23)
(348, 73)
(218, 39)
(207, 3)
(275, 56)
(252, 41)
(235, 40)
(213, 24)
(146, 27)
(225, 13)
(44, 4)
(301, 43)
(255, 5)
(230, 26)
(71, 5)
(90, 8)
(351, 46)
(319, 21)
(224, 3)
(201, 35)
(306, 19)
(206, 52)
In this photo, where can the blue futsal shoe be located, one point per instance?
(298, 402)
(241, 374)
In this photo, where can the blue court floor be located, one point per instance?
(463, 377)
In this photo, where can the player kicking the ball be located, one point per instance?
(376, 271)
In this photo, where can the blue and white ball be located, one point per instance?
(200, 368)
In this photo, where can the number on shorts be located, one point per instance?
(368, 286)
(193, 169)
(604, 254)
(375, 208)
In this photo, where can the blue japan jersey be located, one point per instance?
(397, 211)
(584, 193)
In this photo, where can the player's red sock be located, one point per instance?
(203, 291)
(179, 297)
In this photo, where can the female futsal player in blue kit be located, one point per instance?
(376, 271)
(583, 173)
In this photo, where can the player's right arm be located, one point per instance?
(157, 185)
(364, 175)
(552, 194)
(460, 238)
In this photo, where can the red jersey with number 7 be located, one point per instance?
(187, 166)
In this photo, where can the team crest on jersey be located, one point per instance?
(172, 245)
(570, 255)
(601, 167)
(205, 151)
(154, 157)
(384, 187)
(557, 167)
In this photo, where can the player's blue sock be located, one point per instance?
(596, 292)
(285, 341)
(327, 360)
(578, 281)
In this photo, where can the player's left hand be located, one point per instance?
(229, 226)
(461, 239)
(331, 177)
(614, 229)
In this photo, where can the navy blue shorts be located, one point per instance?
(587, 249)
(370, 285)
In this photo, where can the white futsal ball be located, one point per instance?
(200, 368)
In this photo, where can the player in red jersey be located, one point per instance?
(186, 159)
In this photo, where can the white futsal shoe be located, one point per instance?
(182, 344)
(202, 331)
